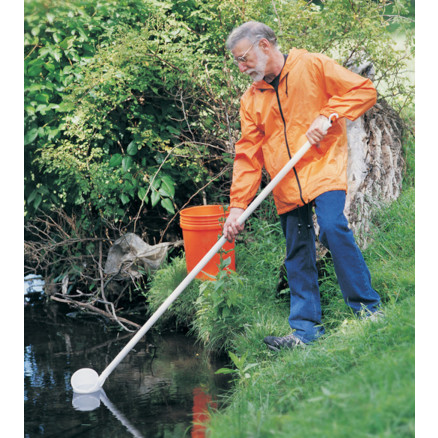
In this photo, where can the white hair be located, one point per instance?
(253, 31)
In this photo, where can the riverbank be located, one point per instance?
(356, 381)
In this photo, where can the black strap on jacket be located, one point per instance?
(276, 80)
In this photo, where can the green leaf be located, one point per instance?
(142, 194)
(49, 67)
(67, 42)
(127, 163)
(65, 107)
(37, 201)
(42, 98)
(124, 198)
(172, 130)
(167, 204)
(34, 70)
(116, 160)
(156, 183)
(168, 185)
(155, 197)
(132, 148)
(32, 196)
(30, 136)
(225, 371)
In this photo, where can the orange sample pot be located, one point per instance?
(202, 227)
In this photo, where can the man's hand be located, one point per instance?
(317, 130)
(231, 227)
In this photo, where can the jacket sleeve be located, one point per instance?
(349, 94)
(248, 162)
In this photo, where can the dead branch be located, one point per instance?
(94, 309)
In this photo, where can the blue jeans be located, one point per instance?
(351, 271)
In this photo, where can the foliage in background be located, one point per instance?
(131, 107)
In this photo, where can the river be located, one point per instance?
(161, 389)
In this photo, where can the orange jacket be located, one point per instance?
(274, 127)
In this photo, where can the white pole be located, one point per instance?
(195, 271)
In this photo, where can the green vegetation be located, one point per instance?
(357, 380)
(131, 112)
(131, 108)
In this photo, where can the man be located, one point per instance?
(288, 103)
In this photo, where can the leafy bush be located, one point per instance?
(140, 88)
(60, 37)
(131, 106)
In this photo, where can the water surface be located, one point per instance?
(159, 389)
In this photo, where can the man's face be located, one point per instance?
(255, 60)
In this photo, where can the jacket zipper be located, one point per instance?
(287, 143)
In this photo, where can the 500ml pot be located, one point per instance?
(202, 226)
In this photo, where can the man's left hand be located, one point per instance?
(317, 130)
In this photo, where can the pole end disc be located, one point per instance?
(85, 381)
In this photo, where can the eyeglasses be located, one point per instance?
(242, 58)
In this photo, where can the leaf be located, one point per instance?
(42, 98)
(225, 371)
(172, 130)
(132, 148)
(37, 201)
(49, 67)
(67, 42)
(32, 196)
(124, 198)
(34, 70)
(127, 163)
(167, 204)
(116, 160)
(155, 197)
(156, 183)
(30, 136)
(236, 360)
(249, 366)
(142, 194)
(65, 107)
(168, 185)
(163, 192)
(325, 391)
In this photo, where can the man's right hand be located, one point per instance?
(231, 227)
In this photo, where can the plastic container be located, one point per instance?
(202, 227)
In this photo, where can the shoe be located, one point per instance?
(277, 343)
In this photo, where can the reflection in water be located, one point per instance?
(202, 401)
(90, 402)
(155, 389)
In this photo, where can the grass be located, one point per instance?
(358, 380)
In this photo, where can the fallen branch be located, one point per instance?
(95, 309)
